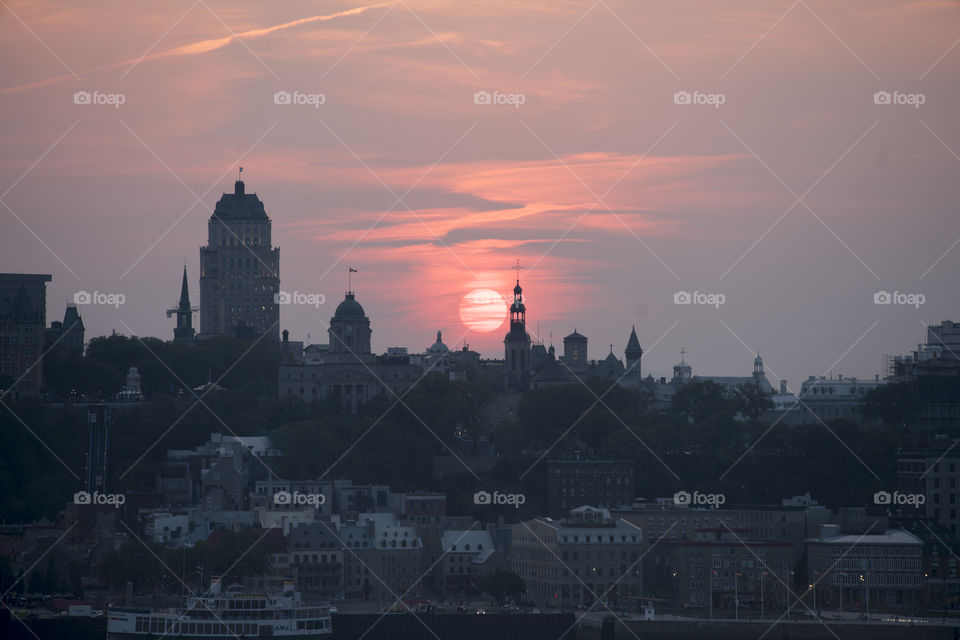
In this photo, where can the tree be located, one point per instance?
(503, 584)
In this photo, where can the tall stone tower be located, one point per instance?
(239, 270)
(516, 344)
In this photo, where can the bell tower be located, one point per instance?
(517, 342)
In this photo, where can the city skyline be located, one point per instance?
(797, 197)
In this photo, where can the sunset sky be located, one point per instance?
(797, 198)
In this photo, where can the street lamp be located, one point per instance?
(840, 581)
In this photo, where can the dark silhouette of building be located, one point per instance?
(65, 339)
(22, 321)
(239, 270)
(516, 343)
(633, 354)
(349, 330)
(184, 331)
(574, 480)
(575, 352)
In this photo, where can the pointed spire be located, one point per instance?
(184, 291)
(633, 344)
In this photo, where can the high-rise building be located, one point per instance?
(23, 310)
(239, 270)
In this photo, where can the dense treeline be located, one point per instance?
(710, 438)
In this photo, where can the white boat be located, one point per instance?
(231, 614)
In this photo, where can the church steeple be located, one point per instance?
(633, 353)
(184, 331)
(517, 342)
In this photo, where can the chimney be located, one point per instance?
(238, 188)
(783, 387)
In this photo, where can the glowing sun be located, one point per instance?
(483, 310)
